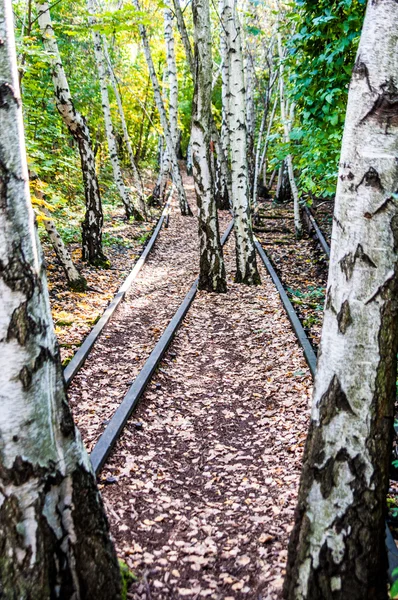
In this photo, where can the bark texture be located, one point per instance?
(77, 125)
(75, 281)
(337, 548)
(177, 180)
(100, 60)
(212, 270)
(246, 265)
(54, 537)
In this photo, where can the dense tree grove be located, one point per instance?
(106, 110)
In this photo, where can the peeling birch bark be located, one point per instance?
(337, 548)
(76, 123)
(54, 535)
(289, 160)
(212, 270)
(177, 180)
(246, 265)
(75, 281)
(100, 60)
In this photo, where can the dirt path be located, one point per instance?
(127, 341)
(205, 475)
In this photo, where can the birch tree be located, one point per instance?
(212, 270)
(100, 60)
(75, 280)
(223, 172)
(171, 74)
(136, 175)
(77, 125)
(246, 265)
(54, 536)
(337, 548)
(184, 206)
(286, 128)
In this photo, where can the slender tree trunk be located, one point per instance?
(260, 156)
(136, 175)
(223, 170)
(100, 60)
(289, 160)
(54, 536)
(224, 88)
(212, 270)
(75, 281)
(250, 115)
(184, 36)
(189, 158)
(246, 265)
(283, 190)
(337, 548)
(76, 123)
(171, 75)
(184, 206)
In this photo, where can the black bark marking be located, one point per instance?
(347, 263)
(7, 94)
(371, 179)
(344, 318)
(384, 205)
(21, 325)
(394, 229)
(333, 401)
(385, 109)
(361, 71)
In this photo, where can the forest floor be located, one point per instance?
(74, 313)
(201, 487)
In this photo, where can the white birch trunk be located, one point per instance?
(246, 265)
(224, 88)
(337, 549)
(136, 175)
(100, 60)
(260, 155)
(171, 74)
(76, 123)
(177, 180)
(250, 115)
(75, 281)
(212, 270)
(289, 160)
(54, 537)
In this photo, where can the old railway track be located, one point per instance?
(308, 346)
(107, 440)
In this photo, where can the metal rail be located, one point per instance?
(104, 445)
(298, 329)
(318, 232)
(84, 350)
(309, 354)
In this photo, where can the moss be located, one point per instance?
(127, 576)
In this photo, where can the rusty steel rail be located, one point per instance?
(84, 350)
(310, 357)
(104, 445)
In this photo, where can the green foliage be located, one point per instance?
(319, 63)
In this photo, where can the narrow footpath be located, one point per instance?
(201, 487)
(140, 320)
